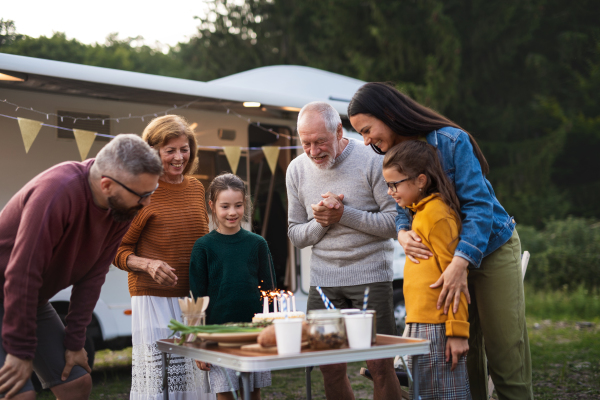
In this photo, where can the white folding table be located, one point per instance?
(245, 361)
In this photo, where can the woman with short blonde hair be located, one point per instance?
(156, 253)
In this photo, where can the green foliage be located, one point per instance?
(522, 76)
(580, 304)
(565, 255)
(115, 53)
(8, 33)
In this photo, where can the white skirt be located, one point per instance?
(150, 318)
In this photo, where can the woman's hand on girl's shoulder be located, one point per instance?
(413, 248)
(456, 347)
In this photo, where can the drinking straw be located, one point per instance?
(365, 300)
(283, 305)
(326, 301)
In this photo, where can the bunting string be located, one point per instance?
(85, 139)
(112, 137)
(149, 115)
(257, 124)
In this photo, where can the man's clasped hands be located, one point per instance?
(329, 210)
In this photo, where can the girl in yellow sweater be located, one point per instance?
(416, 180)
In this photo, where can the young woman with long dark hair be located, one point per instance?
(488, 246)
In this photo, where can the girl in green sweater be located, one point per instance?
(231, 266)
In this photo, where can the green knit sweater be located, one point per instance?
(230, 269)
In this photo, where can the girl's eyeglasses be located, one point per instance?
(392, 185)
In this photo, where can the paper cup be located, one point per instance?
(288, 333)
(358, 329)
(348, 311)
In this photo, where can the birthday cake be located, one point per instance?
(277, 315)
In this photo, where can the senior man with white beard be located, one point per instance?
(338, 204)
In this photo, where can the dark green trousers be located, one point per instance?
(498, 329)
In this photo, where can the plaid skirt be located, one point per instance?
(436, 381)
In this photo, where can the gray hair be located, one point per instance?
(329, 114)
(128, 154)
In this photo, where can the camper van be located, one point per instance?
(251, 109)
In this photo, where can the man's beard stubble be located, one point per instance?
(121, 213)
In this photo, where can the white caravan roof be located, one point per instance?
(279, 86)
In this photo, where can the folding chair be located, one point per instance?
(524, 262)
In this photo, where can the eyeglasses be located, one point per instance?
(141, 196)
(392, 185)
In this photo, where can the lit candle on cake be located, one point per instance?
(275, 303)
(265, 304)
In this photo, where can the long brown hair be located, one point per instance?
(403, 115)
(162, 129)
(415, 157)
(224, 182)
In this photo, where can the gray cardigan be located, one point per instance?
(357, 250)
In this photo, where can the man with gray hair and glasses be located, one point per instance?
(338, 204)
(63, 228)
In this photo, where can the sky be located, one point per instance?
(90, 22)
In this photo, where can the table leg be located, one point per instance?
(165, 376)
(415, 376)
(308, 383)
(246, 385)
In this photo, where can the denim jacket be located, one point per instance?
(486, 225)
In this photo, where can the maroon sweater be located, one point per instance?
(52, 236)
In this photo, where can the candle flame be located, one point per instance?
(270, 295)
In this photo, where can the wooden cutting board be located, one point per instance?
(269, 350)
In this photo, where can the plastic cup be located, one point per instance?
(288, 333)
(358, 329)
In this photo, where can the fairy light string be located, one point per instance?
(129, 117)
(112, 136)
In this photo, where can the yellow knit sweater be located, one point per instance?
(166, 230)
(436, 225)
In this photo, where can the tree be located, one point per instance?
(522, 76)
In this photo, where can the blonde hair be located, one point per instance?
(162, 129)
(227, 181)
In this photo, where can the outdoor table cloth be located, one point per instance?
(245, 361)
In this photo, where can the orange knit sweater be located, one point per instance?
(166, 230)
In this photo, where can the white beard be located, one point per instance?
(327, 164)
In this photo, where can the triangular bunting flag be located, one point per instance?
(84, 140)
(29, 131)
(233, 154)
(271, 154)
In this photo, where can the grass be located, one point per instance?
(564, 337)
(566, 359)
(563, 305)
